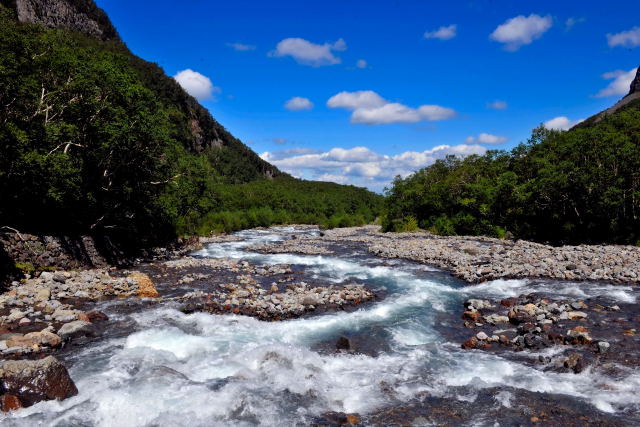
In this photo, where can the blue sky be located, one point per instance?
(385, 87)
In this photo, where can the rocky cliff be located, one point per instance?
(631, 97)
(77, 15)
(635, 84)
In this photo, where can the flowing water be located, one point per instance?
(170, 368)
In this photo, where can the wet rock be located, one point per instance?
(345, 344)
(96, 316)
(603, 347)
(470, 343)
(573, 315)
(474, 316)
(10, 402)
(338, 419)
(575, 363)
(494, 319)
(32, 381)
(482, 336)
(310, 300)
(75, 329)
(146, 289)
(45, 338)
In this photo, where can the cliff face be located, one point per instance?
(77, 15)
(635, 84)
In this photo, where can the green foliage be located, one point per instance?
(96, 140)
(581, 185)
(25, 267)
(286, 201)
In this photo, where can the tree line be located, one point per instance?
(576, 186)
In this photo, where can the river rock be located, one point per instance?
(345, 344)
(75, 329)
(32, 381)
(10, 402)
(146, 289)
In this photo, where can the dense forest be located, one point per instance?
(581, 185)
(98, 141)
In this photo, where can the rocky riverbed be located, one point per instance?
(478, 259)
(297, 326)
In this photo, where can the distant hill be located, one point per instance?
(97, 140)
(575, 186)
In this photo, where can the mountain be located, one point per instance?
(575, 186)
(85, 17)
(630, 98)
(97, 140)
(77, 15)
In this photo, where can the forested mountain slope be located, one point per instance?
(580, 185)
(96, 140)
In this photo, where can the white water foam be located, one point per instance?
(201, 369)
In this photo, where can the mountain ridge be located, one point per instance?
(85, 17)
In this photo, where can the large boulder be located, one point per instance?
(32, 381)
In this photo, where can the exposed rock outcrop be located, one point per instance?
(635, 84)
(77, 15)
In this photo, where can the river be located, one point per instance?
(159, 366)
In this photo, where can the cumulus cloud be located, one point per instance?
(561, 123)
(498, 105)
(308, 53)
(241, 47)
(485, 138)
(630, 38)
(370, 108)
(521, 30)
(362, 63)
(298, 103)
(362, 166)
(620, 84)
(196, 84)
(442, 33)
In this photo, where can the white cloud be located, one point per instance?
(279, 155)
(442, 33)
(630, 38)
(196, 84)
(241, 47)
(298, 103)
(485, 138)
(571, 22)
(362, 63)
(308, 53)
(620, 85)
(521, 30)
(355, 100)
(561, 123)
(362, 166)
(370, 108)
(498, 105)
(280, 141)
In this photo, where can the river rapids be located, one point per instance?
(161, 367)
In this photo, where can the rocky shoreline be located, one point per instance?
(40, 316)
(479, 259)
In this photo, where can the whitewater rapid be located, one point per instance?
(176, 369)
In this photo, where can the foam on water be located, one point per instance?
(201, 369)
